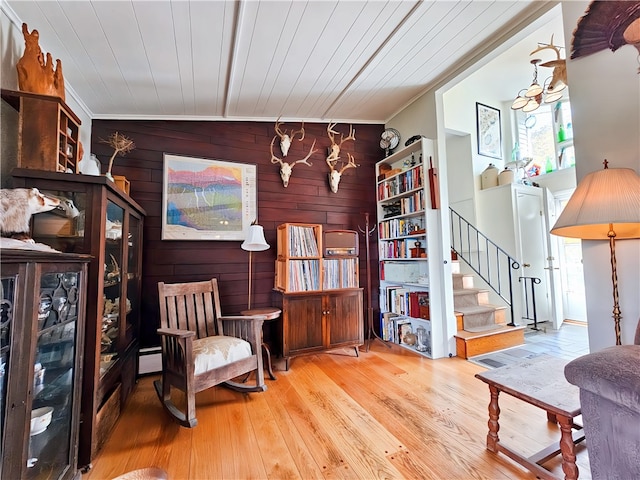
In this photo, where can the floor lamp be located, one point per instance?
(254, 242)
(604, 206)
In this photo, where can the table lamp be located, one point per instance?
(254, 242)
(604, 206)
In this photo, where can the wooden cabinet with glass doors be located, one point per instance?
(103, 221)
(42, 312)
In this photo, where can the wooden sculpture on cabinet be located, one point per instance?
(36, 75)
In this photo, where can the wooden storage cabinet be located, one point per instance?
(100, 220)
(415, 274)
(42, 313)
(48, 132)
(315, 322)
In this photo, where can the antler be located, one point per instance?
(350, 164)
(285, 167)
(334, 151)
(285, 138)
(559, 66)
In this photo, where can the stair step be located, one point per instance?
(462, 281)
(470, 296)
(470, 344)
(477, 318)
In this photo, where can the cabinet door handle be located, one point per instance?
(525, 265)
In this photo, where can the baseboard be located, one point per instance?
(150, 361)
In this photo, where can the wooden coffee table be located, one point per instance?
(539, 381)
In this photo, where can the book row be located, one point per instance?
(403, 301)
(410, 333)
(304, 275)
(404, 182)
(302, 241)
(399, 227)
(340, 273)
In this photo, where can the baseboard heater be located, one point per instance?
(149, 360)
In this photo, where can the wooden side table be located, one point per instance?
(540, 382)
(270, 314)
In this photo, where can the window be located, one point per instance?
(546, 136)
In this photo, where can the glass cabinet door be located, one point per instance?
(7, 295)
(111, 322)
(133, 277)
(53, 375)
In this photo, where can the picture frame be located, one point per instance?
(205, 199)
(489, 131)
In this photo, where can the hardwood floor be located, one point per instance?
(388, 413)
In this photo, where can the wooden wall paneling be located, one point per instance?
(307, 199)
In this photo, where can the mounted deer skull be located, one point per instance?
(559, 76)
(285, 167)
(286, 139)
(335, 175)
(334, 155)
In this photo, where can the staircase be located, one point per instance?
(482, 327)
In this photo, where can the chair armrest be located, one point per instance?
(175, 332)
(248, 328)
(177, 352)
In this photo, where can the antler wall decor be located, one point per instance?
(559, 75)
(286, 139)
(285, 167)
(334, 155)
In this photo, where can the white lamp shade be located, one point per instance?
(533, 91)
(531, 105)
(255, 241)
(519, 102)
(607, 197)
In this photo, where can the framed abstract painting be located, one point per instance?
(205, 199)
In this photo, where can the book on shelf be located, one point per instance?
(387, 326)
(419, 304)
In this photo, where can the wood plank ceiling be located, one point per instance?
(356, 61)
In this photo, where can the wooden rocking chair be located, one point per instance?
(201, 348)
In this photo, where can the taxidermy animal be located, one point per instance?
(610, 24)
(36, 75)
(16, 207)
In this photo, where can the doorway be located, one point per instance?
(574, 302)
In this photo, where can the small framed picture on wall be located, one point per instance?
(489, 131)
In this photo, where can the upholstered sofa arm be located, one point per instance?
(612, 373)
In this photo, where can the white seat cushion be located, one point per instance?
(217, 351)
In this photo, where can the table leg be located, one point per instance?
(268, 354)
(567, 448)
(494, 414)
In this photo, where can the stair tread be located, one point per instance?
(469, 291)
(482, 308)
(494, 331)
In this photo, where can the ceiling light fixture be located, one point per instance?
(551, 91)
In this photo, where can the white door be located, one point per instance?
(533, 256)
(553, 261)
